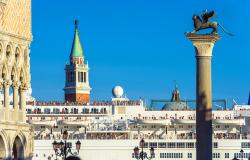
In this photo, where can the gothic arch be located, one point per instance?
(18, 55)
(3, 145)
(21, 136)
(13, 75)
(4, 73)
(9, 53)
(22, 76)
(18, 149)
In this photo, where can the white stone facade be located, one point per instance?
(16, 136)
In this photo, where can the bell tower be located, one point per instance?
(77, 87)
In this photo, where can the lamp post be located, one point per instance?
(62, 149)
(143, 155)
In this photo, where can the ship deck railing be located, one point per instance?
(167, 139)
(94, 103)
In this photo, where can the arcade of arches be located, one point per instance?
(16, 136)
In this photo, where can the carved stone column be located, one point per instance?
(6, 85)
(15, 86)
(203, 45)
(23, 90)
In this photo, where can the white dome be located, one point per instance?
(117, 91)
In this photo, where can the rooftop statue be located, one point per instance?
(203, 22)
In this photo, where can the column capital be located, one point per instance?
(203, 43)
(24, 86)
(6, 83)
(15, 84)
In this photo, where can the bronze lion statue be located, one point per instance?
(203, 23)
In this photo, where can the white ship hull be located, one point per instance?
(123, 149)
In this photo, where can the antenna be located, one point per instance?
(235, 103)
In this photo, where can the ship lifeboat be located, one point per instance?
(76, 122)
(230, 121)
(44, 122)
(184, 121)
(155, 122)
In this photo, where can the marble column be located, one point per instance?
(203, 45)
(15, 99)
(23, 102)
(6, 85)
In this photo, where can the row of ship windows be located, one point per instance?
(43, 127)
(180, 126)
(190, 117)
(174, 145)
(242, 155)
(65, 118)
(189, 155)
(245, 144)
(171, 126)
(67, 111)
(144, 156)
(173, 155)
(236, 155)
(215, 155)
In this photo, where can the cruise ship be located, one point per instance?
(113, 129)
(110, 130)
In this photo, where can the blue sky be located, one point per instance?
(140, 45)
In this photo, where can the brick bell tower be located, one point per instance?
(77, 87)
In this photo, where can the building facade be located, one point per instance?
(16, 136)
(77, 87)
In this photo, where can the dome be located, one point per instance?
(175, 105)
(117, 91)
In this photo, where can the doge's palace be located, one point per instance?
(16, 136)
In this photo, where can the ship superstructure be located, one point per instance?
(120, 123)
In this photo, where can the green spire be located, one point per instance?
(76, 50)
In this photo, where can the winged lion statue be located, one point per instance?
(203, 22)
